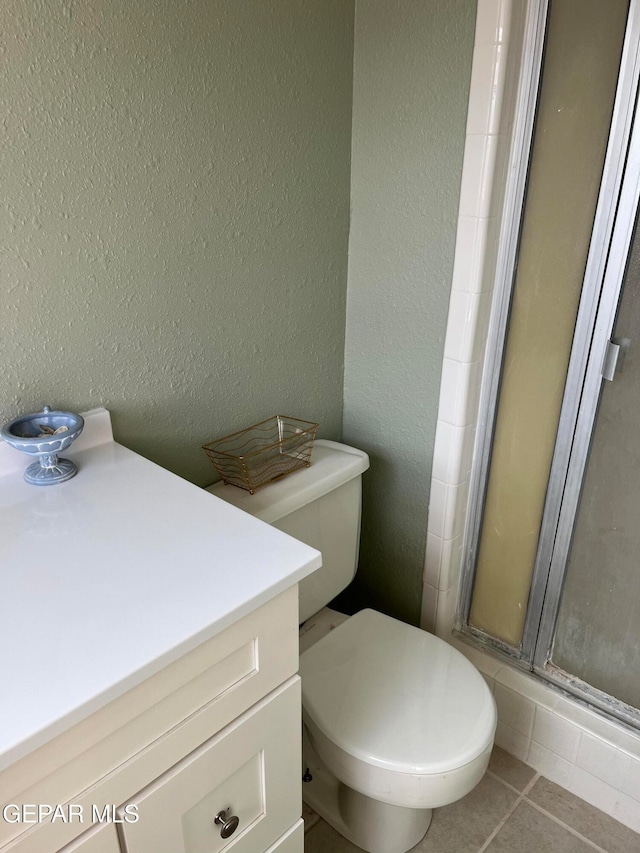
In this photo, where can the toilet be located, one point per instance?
(396, 721)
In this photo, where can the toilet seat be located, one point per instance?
(393, 699)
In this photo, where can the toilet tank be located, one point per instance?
(320, 506)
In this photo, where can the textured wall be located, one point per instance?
(411, 80)
(174, 214)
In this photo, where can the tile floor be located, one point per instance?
(513, 810)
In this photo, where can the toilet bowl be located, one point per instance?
(396, 721)
(398, 716)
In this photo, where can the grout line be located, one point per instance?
(503, 782)
(514, 806)
(532, 782)
(522, 797)
(565, 826)
(518, 791)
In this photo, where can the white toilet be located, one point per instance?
(396, 721)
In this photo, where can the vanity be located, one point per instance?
(150, 697)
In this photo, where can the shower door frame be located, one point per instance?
(607, 258)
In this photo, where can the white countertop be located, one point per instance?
(111, 576)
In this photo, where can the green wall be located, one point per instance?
(411, 80)
(174, 214)
(174, 229)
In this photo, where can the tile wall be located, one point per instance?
(595, 758)
(498, 39)
(589, 755)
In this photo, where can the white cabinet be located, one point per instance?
(101, 839)
(292, 841)
(217, 730)
(155, 660)
(249, 771)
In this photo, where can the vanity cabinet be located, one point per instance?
(151, 683)
(247, 777)
(215, 733)
(100, 839)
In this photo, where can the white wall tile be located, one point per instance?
(450, 563)
(621, 802)
(604, 797)
(455, 512)
(450, 383)
(556, 734)
(487, 664)
(550, 764)
(528, 686)
(472, 197)
(443, 451)
(514, 710)
(458, 342)
(459, 392)
(627, 811)
(468, 320)
(468, 437)
(437, 508)
(513, 60)
(482, 316)
(488, 22)
(469, 407)
(631, 783)
(446, 611)
(499, 165)
(489, 230)
(497, 88)
(482, 90)
(475, 261)
(451, 453)
(492, 146)
(429, 608)
(489, 681)
(433, 560)
(507, 17)
(602, 760)
(603, 728)
(514, 742)
(593, 790)
(466, 262)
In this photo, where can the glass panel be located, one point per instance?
(598, 631)
(582, 58)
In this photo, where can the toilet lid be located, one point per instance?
(396, 696)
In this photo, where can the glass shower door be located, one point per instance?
(568, 608)
(597, 636)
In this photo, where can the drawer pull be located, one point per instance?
(228, 825)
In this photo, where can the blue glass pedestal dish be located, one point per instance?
(43, 435)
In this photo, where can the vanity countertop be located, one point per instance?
(114, 574)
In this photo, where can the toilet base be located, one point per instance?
(369, 824)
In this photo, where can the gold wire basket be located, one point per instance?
(264, 452)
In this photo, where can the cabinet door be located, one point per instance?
(250, 770)
(102, 839)
(290, 842)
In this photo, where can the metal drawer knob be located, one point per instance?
(228, 825)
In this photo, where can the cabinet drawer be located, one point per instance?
(103, 839)
(251, 769)
(291, 842)
(115, 752)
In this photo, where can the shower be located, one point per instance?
(551, 577)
